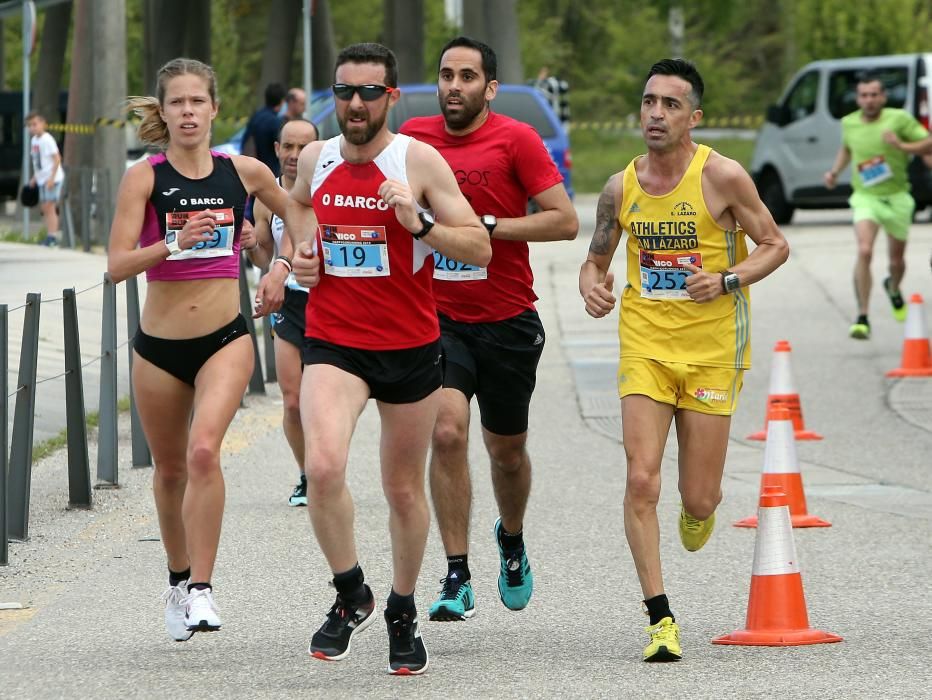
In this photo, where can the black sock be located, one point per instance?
(199, 586)
(351, 585)
(459, 562)
(862, 318)
(399, 603)
(511, 541)
(176, 577)
(658, 608)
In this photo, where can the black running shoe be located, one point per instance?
(299, 495)
(333, 640)
(407, 655)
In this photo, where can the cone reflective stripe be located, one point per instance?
(777, 613)
(917, 358)
(781, 470)
(783, 394)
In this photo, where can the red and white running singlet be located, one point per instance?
(375, 283)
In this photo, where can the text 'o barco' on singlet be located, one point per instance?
(658, 320)
(175, 198)
(375, 284)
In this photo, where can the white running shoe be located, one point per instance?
(174, 612)
(201, 611)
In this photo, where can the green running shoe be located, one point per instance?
(860, 331)
(896, 300)
(456, 603)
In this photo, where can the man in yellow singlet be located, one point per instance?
(684, 325)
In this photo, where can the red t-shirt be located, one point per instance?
(498, 167)
(375, 284)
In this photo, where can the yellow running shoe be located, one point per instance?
(695, 533)
(664, 641)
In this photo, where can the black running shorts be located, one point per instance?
(497, 363)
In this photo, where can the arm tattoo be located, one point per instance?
(605, 223)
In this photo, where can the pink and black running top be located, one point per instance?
(175, 198)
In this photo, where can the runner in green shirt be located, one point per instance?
(879, 141)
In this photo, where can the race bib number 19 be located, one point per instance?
(220, 243)
(355, 251)
(663, 276)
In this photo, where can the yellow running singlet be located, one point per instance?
(658, 320)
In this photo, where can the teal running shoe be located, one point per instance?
(456, 603)
(515, 580)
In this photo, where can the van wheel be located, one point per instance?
(771, 193)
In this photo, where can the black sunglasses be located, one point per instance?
(367, 92)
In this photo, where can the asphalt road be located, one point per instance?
(89, 582)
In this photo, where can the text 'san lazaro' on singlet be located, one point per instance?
(375, 285)
(658, 320)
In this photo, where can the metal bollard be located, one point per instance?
(271, 371)
(20, 479)
(4, 444)
(79, 470)
(107, 468)
(256, 384)
(142, 457)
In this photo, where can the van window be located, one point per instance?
(801, 102)
(842, 88)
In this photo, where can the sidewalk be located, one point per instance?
(90, 581)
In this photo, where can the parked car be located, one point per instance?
(521, 102)
(802, 133)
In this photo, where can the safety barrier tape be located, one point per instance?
(120, 123)
(746, 121)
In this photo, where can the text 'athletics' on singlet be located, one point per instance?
(375, 284)
(174, 199)
(499, 167)
(658, 320)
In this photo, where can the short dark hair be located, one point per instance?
(684, 69)
(871, 76)
(274, 94)
(370, 53)
(285, 122)
(34, 115)
(489, 59)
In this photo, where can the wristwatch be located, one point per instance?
(730, 282)
(490, 222)
(171, 240)
(428, 222)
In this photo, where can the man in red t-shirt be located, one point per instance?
(491, 334)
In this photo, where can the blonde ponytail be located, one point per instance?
(152, 129)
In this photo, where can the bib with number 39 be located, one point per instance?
(874, 171)
(220, 243)
(455, 271)
(355, 251)
(663, 276)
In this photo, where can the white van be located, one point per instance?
(802, 133)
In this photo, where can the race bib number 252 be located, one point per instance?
(663, 276)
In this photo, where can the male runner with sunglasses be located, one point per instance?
(491, 333)
(366, 198)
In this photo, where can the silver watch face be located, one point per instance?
(170, 237)
(489, 220)
(427, 217)
(732, 283)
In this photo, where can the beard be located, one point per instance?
(359, 137)
(469, 110)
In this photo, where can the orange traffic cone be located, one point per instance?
(781, 469)
(917, 360)
(783, 395)
(777, 614)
